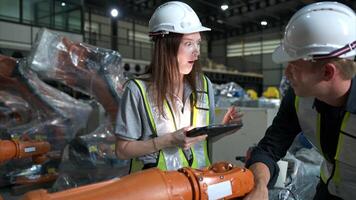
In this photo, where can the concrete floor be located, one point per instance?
(5, 193)
(17, 192)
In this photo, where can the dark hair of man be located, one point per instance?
(164, 69)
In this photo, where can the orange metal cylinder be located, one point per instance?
(32, 148)
(240, 181)
(148, 184)
(10, 149)
(221, 181)
(7, 150)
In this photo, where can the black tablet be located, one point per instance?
(213, 130)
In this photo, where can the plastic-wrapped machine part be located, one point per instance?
(302, 175)
(12, 149)
(62, 104)
(7, 64)
(14, 110)
(91, 158)
(227, 94)
(230, 89)
(49, 104)
(50, 115)
(56, 132)
(94, 71)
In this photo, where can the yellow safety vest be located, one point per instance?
(173, 158)
(341, 176)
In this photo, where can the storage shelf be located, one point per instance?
(245, 80)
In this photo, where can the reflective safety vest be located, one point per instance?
(340, 176)
(173, 158)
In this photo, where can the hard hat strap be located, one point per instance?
(161, 33)
(338, 52)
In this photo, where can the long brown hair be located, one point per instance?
(165, 69)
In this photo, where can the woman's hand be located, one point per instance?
(232, 116)
(180, 139)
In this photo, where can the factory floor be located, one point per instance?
(7, 194)
(17, 192)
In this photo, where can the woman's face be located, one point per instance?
(188, 52)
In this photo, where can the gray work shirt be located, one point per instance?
(132, 121)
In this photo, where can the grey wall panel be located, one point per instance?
(271, 78)
(125, 51)
(21, 37)
(218, 51)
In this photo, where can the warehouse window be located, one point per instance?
(251, 48)
(139, 37)
(9, 10)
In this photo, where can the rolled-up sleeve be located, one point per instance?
(278, 138)
(129, 123)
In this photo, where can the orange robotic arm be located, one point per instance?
(222, 181)
(11, 149)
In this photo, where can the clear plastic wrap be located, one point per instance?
(233, 94)
(14, 110)
(94, 155)
(31, 110)
(303, 174)
(230, 89)
(79, 131)
(49, 106)
(94, 71)
(227, 94)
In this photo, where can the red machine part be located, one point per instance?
(186, 183)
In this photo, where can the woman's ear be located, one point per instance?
(329, 71)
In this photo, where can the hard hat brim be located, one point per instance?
(189, 31)
(280, 56)
(194, 30)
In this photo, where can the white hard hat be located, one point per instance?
(319, 30)
(176, 17)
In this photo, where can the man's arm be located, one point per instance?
(261, 178)
(274, 145)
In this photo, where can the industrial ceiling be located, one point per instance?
(242, 16)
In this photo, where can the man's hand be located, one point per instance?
(262, 176)
(259, 192)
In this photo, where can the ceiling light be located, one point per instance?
(224, 7)
(63, 4)
(264, 23)
(114, 12)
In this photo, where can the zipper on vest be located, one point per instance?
(175, 126)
